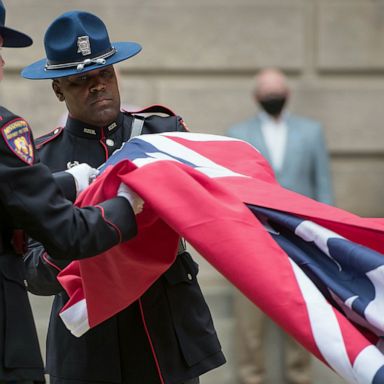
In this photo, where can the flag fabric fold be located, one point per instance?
(314, 269)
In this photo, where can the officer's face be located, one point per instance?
(92, 97)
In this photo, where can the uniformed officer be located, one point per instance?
(31, 200)
(167, 336)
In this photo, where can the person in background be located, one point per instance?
(167, 336)
(295, 147)
(32, 200)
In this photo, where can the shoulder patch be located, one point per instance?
(42, 140)
(17, 135)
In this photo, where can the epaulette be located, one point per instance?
(156, 108)
(42, 140)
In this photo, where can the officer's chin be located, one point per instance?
(105, 116)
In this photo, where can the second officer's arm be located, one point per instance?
(35, 203)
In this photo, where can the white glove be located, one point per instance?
(83, 174)
(137, 203)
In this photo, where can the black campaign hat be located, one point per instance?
(11, 37)
(78, 42)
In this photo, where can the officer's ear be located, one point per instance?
(57, 89)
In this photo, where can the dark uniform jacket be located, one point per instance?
(31, 200)
(167, 333)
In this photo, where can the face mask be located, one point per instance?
(273, 105)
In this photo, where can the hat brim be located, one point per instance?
(37, 70)
(14, 39)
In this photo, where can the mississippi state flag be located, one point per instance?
(314, 269)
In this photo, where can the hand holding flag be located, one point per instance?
(137, 203)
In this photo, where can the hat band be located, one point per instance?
(81, 64)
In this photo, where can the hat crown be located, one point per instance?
(11, 37)
(2, 14)
(77, 42)
(75, 36)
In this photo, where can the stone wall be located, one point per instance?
(199, 58)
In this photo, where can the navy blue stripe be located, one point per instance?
(379, 377)
(345, 273)
(138, 149)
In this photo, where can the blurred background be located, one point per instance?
(199, 58)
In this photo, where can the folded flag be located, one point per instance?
(314, 269)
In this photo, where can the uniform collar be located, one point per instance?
(79, 128)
